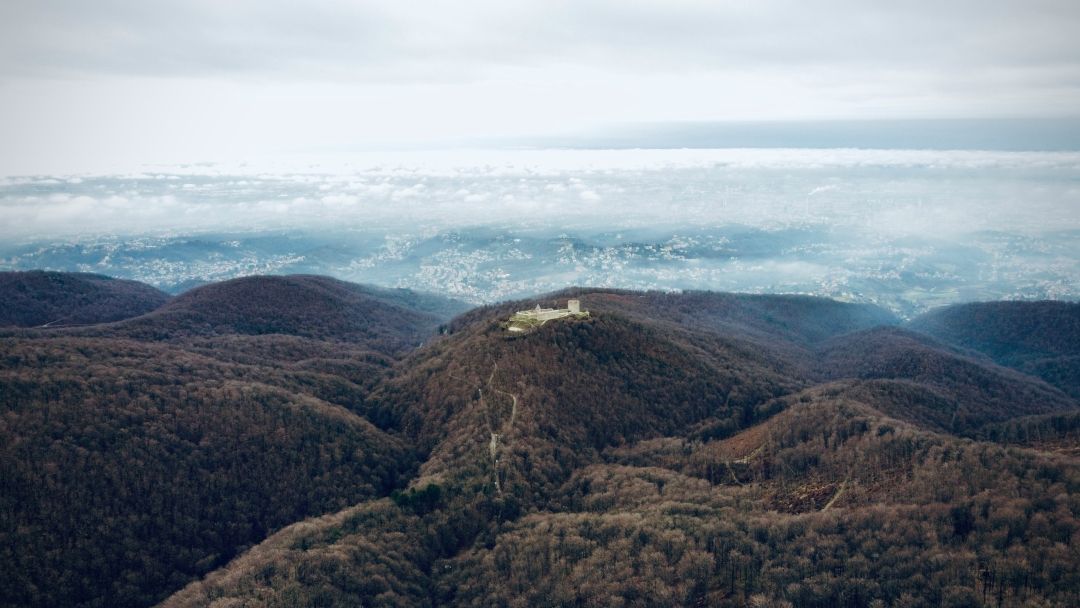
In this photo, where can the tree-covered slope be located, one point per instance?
(139, 454)
(299, 441)
(828, 503)
(297, 305)
(1038, 338)
(555, 396)
(35, 298)
(130, 468)
(925, 381)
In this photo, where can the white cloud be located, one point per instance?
(888, 192)
(821, 189)
(116, 85)
(432, 41)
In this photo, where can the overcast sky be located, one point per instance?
(85, 85)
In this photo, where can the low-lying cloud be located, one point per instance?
(895, 192)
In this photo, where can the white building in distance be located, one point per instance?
(537, 316)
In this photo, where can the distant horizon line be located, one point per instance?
(1000, 134)
(1005, 134)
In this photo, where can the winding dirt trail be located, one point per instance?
(839, 492)
(503, 429)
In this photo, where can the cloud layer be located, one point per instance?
(172, 81)
(435, 40)
(930, 193)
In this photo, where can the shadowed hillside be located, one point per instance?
(829, 503)
(637, 458)
(778, 330)
(768, 319)
(298, 441)
(557, 395)
(140, 454)
(322, 308)
(129, 468)
(1037, 338)
(36, 298)
(935, 385)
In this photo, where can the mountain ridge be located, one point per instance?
(681, 443)
(39, 298)
(1038, 338)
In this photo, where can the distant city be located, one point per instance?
(905, 229)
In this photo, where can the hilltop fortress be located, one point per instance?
(525, 319)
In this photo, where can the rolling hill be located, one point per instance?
(930, 383)
(555, 475)
(1038, 338)
(300, 441)
(36, 298)
(196, 429)
(320, 308)
(131, 467)
(827, 503)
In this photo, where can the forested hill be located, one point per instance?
(35, 298)
(139, 454)
(922, 380)
(694, 449)
(1038, 338)
(301, 307)
(302, 441)
(1007, 329)
(770, 319)
(320, 308)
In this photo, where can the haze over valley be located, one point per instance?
(534, 304)
(907, 229)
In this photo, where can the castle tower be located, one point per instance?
(574, 306)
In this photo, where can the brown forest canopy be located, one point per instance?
(35, 298)
(301, 441)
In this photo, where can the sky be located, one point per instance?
(118, 85)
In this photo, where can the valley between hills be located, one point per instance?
(303, 441)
